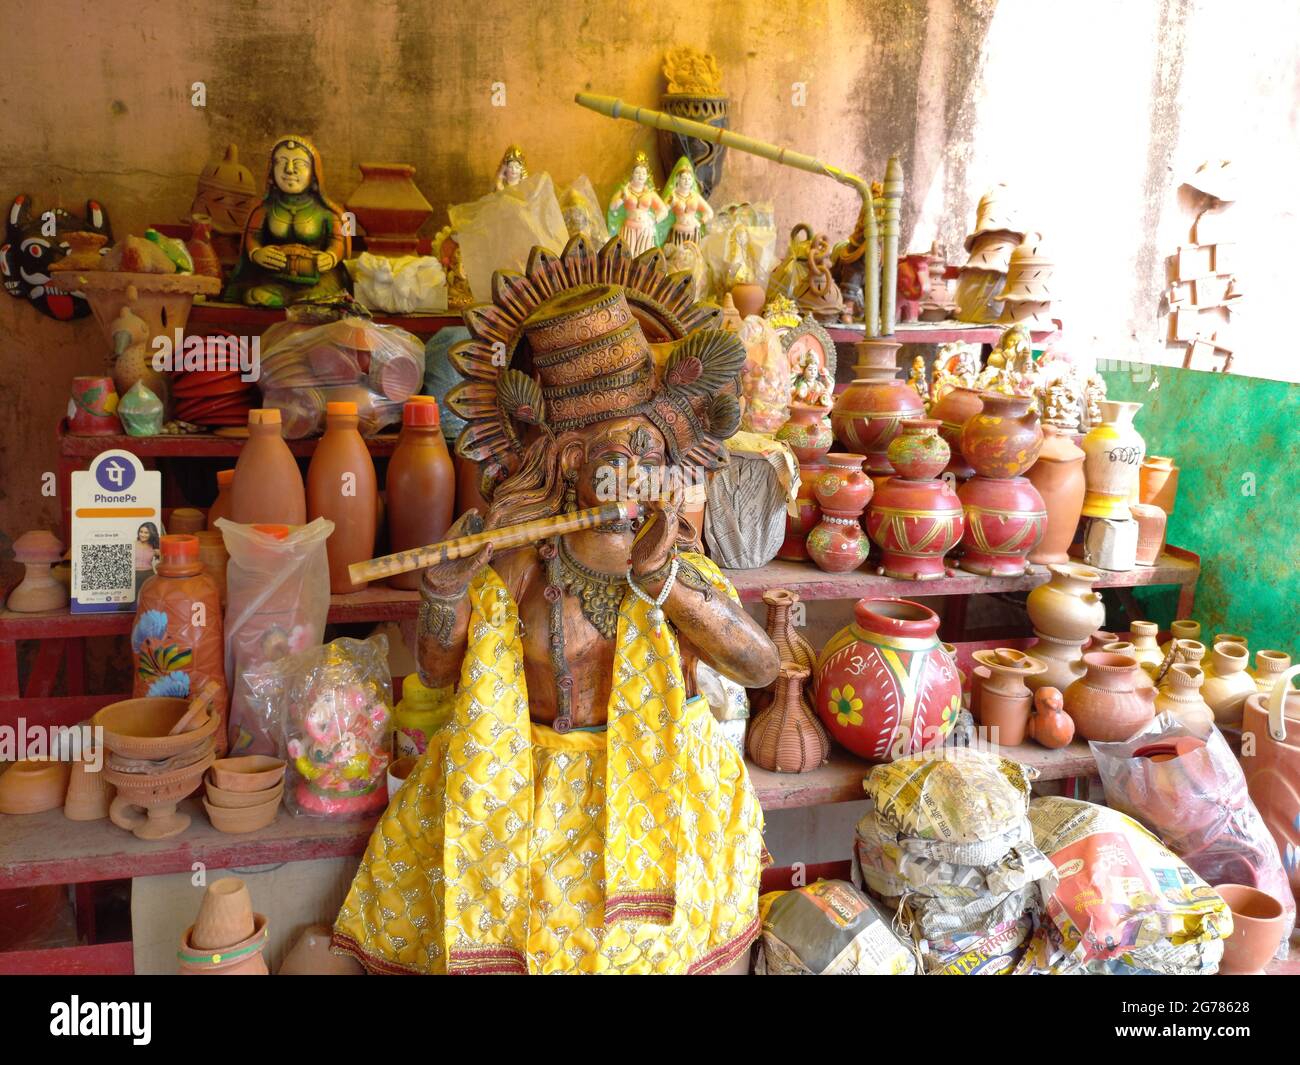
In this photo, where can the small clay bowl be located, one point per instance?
(138, 728)
(249, 772)
(243, 819)
(240, 800)
(32, 787)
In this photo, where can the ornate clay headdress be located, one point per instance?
(640, 159)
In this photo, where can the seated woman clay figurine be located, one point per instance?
(295, 241)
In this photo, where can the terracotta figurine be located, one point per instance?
(512, 168)
(636, 209)
(819, 294)
(690, 212)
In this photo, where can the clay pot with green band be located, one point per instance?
(244, 958)
(807, 432)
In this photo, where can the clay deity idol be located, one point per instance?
(636, 209)
(295, 241)
(512, 169)
(688, 210)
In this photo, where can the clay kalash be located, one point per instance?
(574, 745)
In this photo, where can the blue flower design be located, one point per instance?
(151, 625)
(176, 685)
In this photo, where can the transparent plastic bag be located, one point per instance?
(499, 231)
(277, 596)
(302, 410)
(331, 710)
(764, 378)
(740, 245)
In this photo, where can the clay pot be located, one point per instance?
(1005, 518)
(248, 773)
(1190, 652)
(1182, 629)
(749, 298)
(1066, 607)
(390, 208)
(92, 410)
(239, 819)
(1272, 767)
(1150, 532)
(39, 590)
(843, 488)
(32, 787)
(1058, 476)
(138, 728)
(1004, 699)
(786, 737)
(225, 915)
(838, 544)
(240, 800)
(807, 432)
(1269, 666)
(1049, 724)
(869, 413)
(1227, 682)
(1105, 703)
(1003, 440)
(1145, 648)
(1114, 451)
(311, 956)
(918, 452)
(89, 794)
(885, 688)
(797, 528)
(1180, 696)
(145, 804)
(1158, 482)
(244, 958)
(953, 410)
(1259, 922)
(915, 524)
(1142, 678)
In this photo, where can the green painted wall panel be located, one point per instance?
(1237, 443)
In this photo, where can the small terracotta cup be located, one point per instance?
(398, 771)
(1258, 925)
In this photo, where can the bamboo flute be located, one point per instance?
(501, 539)
(615, 108)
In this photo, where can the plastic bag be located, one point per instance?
(582, 214)
(1123, 896)
(302, 410)
(764, 378)
(1198, 804)
(277, 597)
(331, 709)
(740, 245)
(408, 284)
(499, 231)
(829, 929)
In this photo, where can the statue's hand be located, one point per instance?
(449, 580)
(655, 545)
(325, 262)
(270, 258)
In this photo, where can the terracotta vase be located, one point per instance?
(1105, 702)
(885, 687)
(1049, 724)
(1151, 522)
(1005, 518)
(267, 487)
(1158, 482)
(1269, 666)
(221, 505)
(92, 410)
(311, 956)
(1003, 440)
(420, 486)
(37, 550)
(390, 208)
(838, 544)
(89, 794)
(1259, 922)
(918, 452)
(1181, 629)
(1058, 476)
(1228, 682)
(790, 643)
(225, 915)
(953, 410)
(807, 433)
(1005, 701)
(797, 528)
(1114, 450)
(785, 737)
(1180, 696)
(748, 298)
(915, 523)
(244, 958)
(1145, 648)
(1272, 766)
(869, 412)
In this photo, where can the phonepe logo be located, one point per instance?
(114, 475)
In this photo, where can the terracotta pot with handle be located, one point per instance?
(1270, 757)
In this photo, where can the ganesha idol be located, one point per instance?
(581, 812)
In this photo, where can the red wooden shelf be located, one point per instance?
(192, 445)
(938, 333)
(235, 316)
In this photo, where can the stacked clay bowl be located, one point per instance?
(243, 794)
(151, 769)
(227, 938)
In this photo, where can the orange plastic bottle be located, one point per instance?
(341, 486)
(268, 487)
(421, 484)
(221, 505)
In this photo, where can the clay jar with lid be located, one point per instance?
(341, 486)
(1114, 450)
(807, 432)
(885, 687)
(1180, 696)
(952, 411)
(267, 487)
(1058, 476)
(1005, 701)
(1005, 519)
(868, 413)
(1105, 702)
(1227, 682)
(838, 543)
(420, 485)
(1004, 439)
(913, 518)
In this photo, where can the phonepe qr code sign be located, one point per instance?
(116, 531)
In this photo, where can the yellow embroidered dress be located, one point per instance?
(515, 849)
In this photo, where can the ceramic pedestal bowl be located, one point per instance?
(138, 728)
(145, 803)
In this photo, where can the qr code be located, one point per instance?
(106, 567)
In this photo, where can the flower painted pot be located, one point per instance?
(1106, 703)
(1058, 476)
(1005, 519)
(915, 524)
(885, 686)
(1003, 439)
(918, 452)
(844, 488)
(838, 543)
(953, 410)
(1114, 452)
(869, 413)
(807, 433)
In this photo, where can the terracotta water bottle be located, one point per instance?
(176, 641)
(267, 488)
(341, 486)
(421, 485)
(221, 505)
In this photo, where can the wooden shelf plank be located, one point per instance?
(192, 445)
(235, 316)
(938, 333)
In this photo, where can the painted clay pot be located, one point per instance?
(838, 544)
(1227, 682)
(1158, 482)
(1049, 724)
(807, 433)
(1272, 767)
(1003, 440)
(885, 688)
(1058, 476)
(1104, 703)
(1114, 450)
(786, 737)
(39, 589)
(918, 452)
(1005, 518)
(843, 487)
(1259, 922)
(1181, 629)
(1180, 696)
(1151, 522)
(32, 787)
(1269, 666)
(92, 410)
(797, 528)
(953, 410)
(915, 524)
(244, 958)
(1145, 648)
(390, 208)
(869, 413)
(1005, 701)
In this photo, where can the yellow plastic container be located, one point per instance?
(418, 715)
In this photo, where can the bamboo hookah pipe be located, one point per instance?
(615, 108)
(501, 539)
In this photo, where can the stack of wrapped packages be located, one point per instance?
(949, 844)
